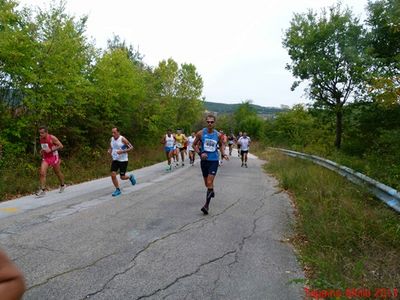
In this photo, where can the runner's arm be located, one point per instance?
(57, 144)
(222, 146)
(196, 142)
(12, 285)
(163, 140)
(128, 144)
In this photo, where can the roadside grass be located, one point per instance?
(22, 176)
(345, 237)
(380, 166)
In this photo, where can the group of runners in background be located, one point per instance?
(177, 146)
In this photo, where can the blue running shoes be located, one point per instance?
(132, 179)
(117, 192)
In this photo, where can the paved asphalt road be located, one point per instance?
(153, 242)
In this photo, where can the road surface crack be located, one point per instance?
(70, 271)
(180, 230)
(253, 231)
(187, 275)
(243, 241)
(132, 261)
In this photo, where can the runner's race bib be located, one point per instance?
(210, 145)
(114, 154)
(179, 145)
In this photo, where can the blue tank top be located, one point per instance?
(209, 144)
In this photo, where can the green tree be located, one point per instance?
(384, 41)
(254, 126)
(243, 110)
(17, 47)
(134, 55)
(55, 90)
(188, 96)
(247, 120)
(179, 90)
(327, 51)
(118, 90)
(166, 75)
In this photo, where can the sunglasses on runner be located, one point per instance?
(210, 122)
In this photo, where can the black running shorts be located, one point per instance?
(119, 165)
(209, 167)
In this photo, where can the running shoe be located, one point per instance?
(132, 179)
(168, 168)
(40, 193)
(245, 165)
(242, 165)
(204, 210)
(62, 188)
(117, 192)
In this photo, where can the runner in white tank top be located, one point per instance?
(119, 148)
(169, 147)
(191, 149)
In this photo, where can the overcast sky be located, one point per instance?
(235, 45)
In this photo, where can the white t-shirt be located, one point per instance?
(190, 143)
(244, 143)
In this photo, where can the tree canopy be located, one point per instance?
(327, 51)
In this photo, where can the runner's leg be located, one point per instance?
(43, 173)
(183, 156)
(210, 189)
(57, 170)
(122, 170)
(177, 156)
(115, 179)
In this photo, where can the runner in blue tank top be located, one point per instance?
(205, 145)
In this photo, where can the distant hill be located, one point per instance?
(222, 108)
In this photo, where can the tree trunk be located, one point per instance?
(339, 127)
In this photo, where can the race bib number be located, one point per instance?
(179, 145)
(44, 146)
(210, 145)
(114, 155)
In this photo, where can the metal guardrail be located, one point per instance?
(383, 192)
